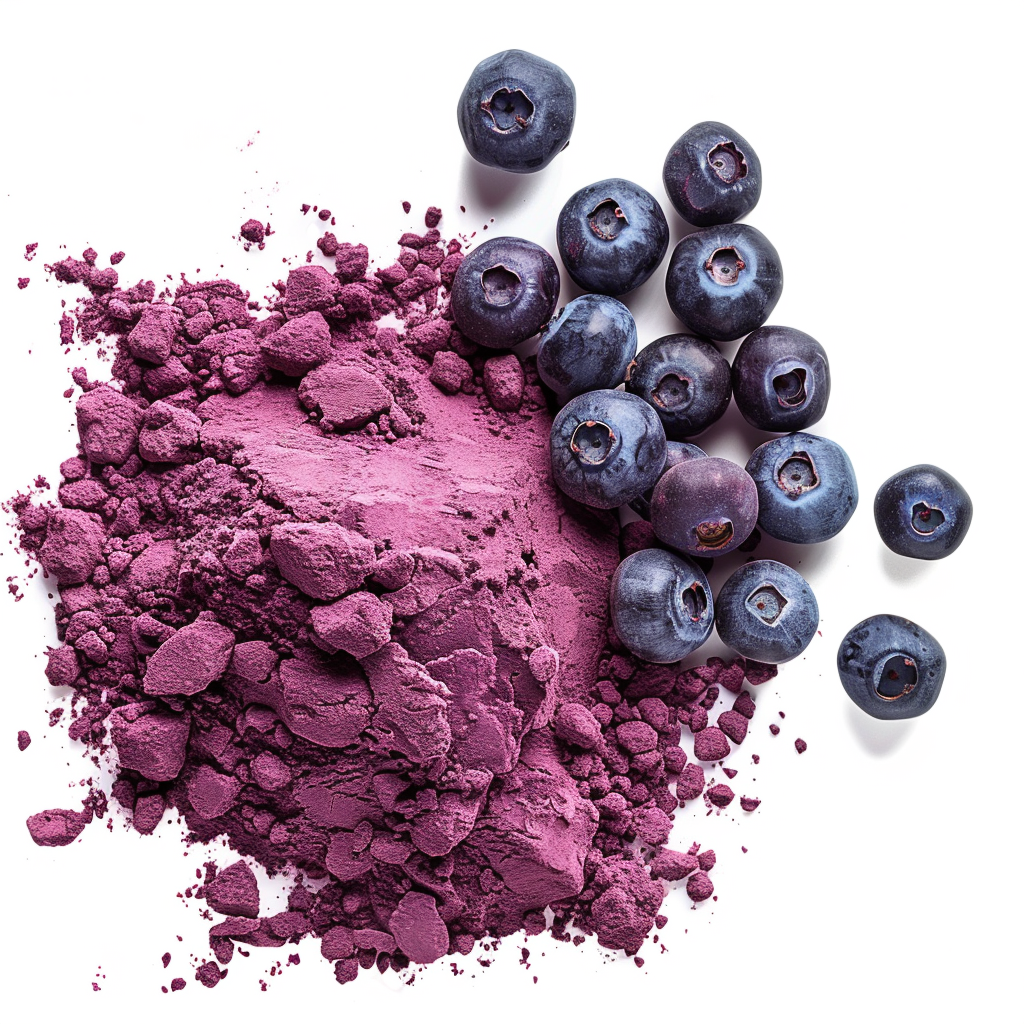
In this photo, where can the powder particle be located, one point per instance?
(23, 283)
(749, 803)
(116, 258)
(57, 827)
(252, 231)
(773, 729)
(800, 745)
(23, 739)
(349, 625)
(699, 887)
(432, 217)
(720, 795)
(673, 865)
(406, 206)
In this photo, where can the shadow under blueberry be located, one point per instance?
(490, 187)
(899, 568)
(876, 736)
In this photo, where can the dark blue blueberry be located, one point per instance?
(891, 667)
(806, 488)
(712, 175)
(675, 452)
(780, 379)
(922, 512)
(607, 447)
(723, 282)
(517, 111)
(685, 379)
(504, 292)
(661, 605)
(611, 236)
(588, 347)
(766, 611)
(704, 507)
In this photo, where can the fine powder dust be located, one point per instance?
(319, 594)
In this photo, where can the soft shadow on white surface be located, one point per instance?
(875, 736)
(493, 189)
(899, 568)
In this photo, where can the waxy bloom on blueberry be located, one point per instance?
(607, 448)
(923, 512)
(675, 452)
(504, 292)
(517, 111)
(891, 667)
(661, 605)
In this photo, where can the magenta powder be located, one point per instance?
(319, 594)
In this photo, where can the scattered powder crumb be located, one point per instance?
(800, 745)
(23, 739)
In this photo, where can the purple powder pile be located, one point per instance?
(319, 594)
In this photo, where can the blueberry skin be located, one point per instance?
(607, 447)
(806, 488)
(675, 452)
(611, 236)
(923, 512)
(661, 605)
(705, 507)
(711, 293)
(504, 292)
(686, 380)
(766, 611)
(890, 667)
(587, 347)
(712, 175)
(516, 111)
(780, 379)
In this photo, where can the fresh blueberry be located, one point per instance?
(504, 292)
(607, 447)
(675, 452)
(781, 380)
(611, 236)
(766, 611)
(661, 605)
(723, 282)
(587, 347)
(806, 488)
(685, 379)
(922, 512)
(712, 175)
(704, 507)
(517, 111)
(891, 667)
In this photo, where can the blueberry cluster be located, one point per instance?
(611, 447)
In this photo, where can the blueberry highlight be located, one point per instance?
(724, 281)
(612, 236)
(923, 512)
(766, 611)
(780, 379)
(588, 347)
(890, 667)
(806, 488)
(712, 175)
(704, 507)
(504, 292)
(661, 605)
(686, 380)
(675, 452)
(607, 448)
(517, 111)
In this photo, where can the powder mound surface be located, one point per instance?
(319, 594)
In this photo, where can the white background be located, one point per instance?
(882, 879)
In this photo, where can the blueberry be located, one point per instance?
(517, 111)
(723, 282)
(712, 175)
(766, 611)
(922, 512)
(780, 379)
(587, 347)
(891, 667)
(607, 447)
(704, 507)
(806, 488)
(675, 452)
(685, 379)
(611, 236)
(661, 605)
(504, 292)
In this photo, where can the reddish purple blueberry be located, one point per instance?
(675, 452)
